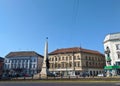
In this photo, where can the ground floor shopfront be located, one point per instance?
(112, 70)
(20, 72)
(72, 72)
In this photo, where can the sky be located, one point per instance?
(25, 24)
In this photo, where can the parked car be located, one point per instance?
(85, 74)
(101, 75)
(27, 75)
(51, 75)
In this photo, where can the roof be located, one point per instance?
(1, 59)
(74, 50)
(22, 53)
(112, 36)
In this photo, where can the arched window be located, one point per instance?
(55, 58)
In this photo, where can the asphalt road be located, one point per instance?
(58, 84)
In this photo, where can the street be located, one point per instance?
(32, 83)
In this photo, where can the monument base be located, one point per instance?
(43, 76)
(40, 76)
(37, 76)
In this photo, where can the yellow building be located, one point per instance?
(76, 61)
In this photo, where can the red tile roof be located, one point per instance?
(22, 53)
(74, 50)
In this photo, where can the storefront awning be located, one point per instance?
(112, 67)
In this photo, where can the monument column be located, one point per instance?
(45, 65)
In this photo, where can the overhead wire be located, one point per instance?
(75, 10)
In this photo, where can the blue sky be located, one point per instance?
(24, 24)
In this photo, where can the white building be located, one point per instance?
(112, 51)
(25, 62)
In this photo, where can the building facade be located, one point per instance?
(112, 52)
(1, 65)
(76, 61)
(24, 62)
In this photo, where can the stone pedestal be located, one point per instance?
(45, 72)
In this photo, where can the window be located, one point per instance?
(34, 60)
(118, 56)
(59, 58)
(86, 57)
(52, 59)
(55, 58)
(70, 64)
(117, 63)
(62, 65)
(22, 65)
(78, 58)
(18, 66)
(66, 58)
(75, 64)
(30, 65)
(49, 58)
(5, 61)
(86, 64)
(11, 65)
(90, 63)
(62, 58)
(96, 64)
(33, 65)
(8, 66)
(55, 65)
(78, 64)
(89, 58)
(67, 65)
(52, 65)
(8, 61)
(30, 60)
(75, 57)
(24, 60)
(117, 46)
(70, 58)
(58, 65)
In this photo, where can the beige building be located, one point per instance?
(76, 61)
